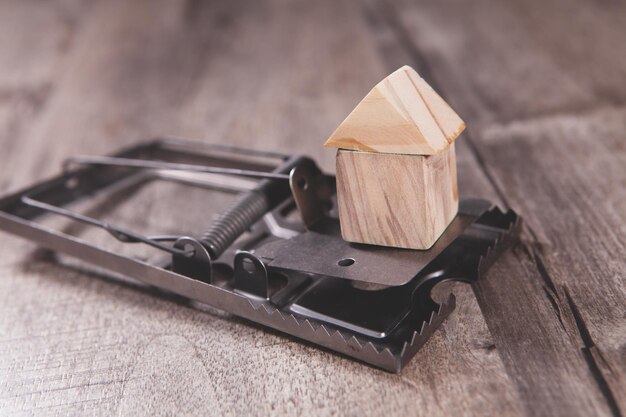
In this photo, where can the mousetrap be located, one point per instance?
(275, 256)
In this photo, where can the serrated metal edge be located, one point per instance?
(325, 335)
(508, 236)
(365, 350)
(436, 318)
(427, 328)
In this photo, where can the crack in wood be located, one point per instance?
(555, 300)
(588, 346)
(549, 287)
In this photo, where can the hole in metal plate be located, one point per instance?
(345, 262)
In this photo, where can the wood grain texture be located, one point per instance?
(403, 201)
(402, 114)
(544, 336)
(571, 198)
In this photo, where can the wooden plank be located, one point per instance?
(30, 64)
(566, 302)
(224, 71)
(577, 211)
(517, 60)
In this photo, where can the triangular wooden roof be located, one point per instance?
(402, 114)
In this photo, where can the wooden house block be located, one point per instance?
(404, 201)
(396, 166)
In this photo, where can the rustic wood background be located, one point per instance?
(542, 86)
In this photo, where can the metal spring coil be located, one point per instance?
(248, 209)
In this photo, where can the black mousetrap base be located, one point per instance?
(258, 260)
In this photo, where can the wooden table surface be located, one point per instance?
(542, 87)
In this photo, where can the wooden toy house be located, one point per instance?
(396, 166)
